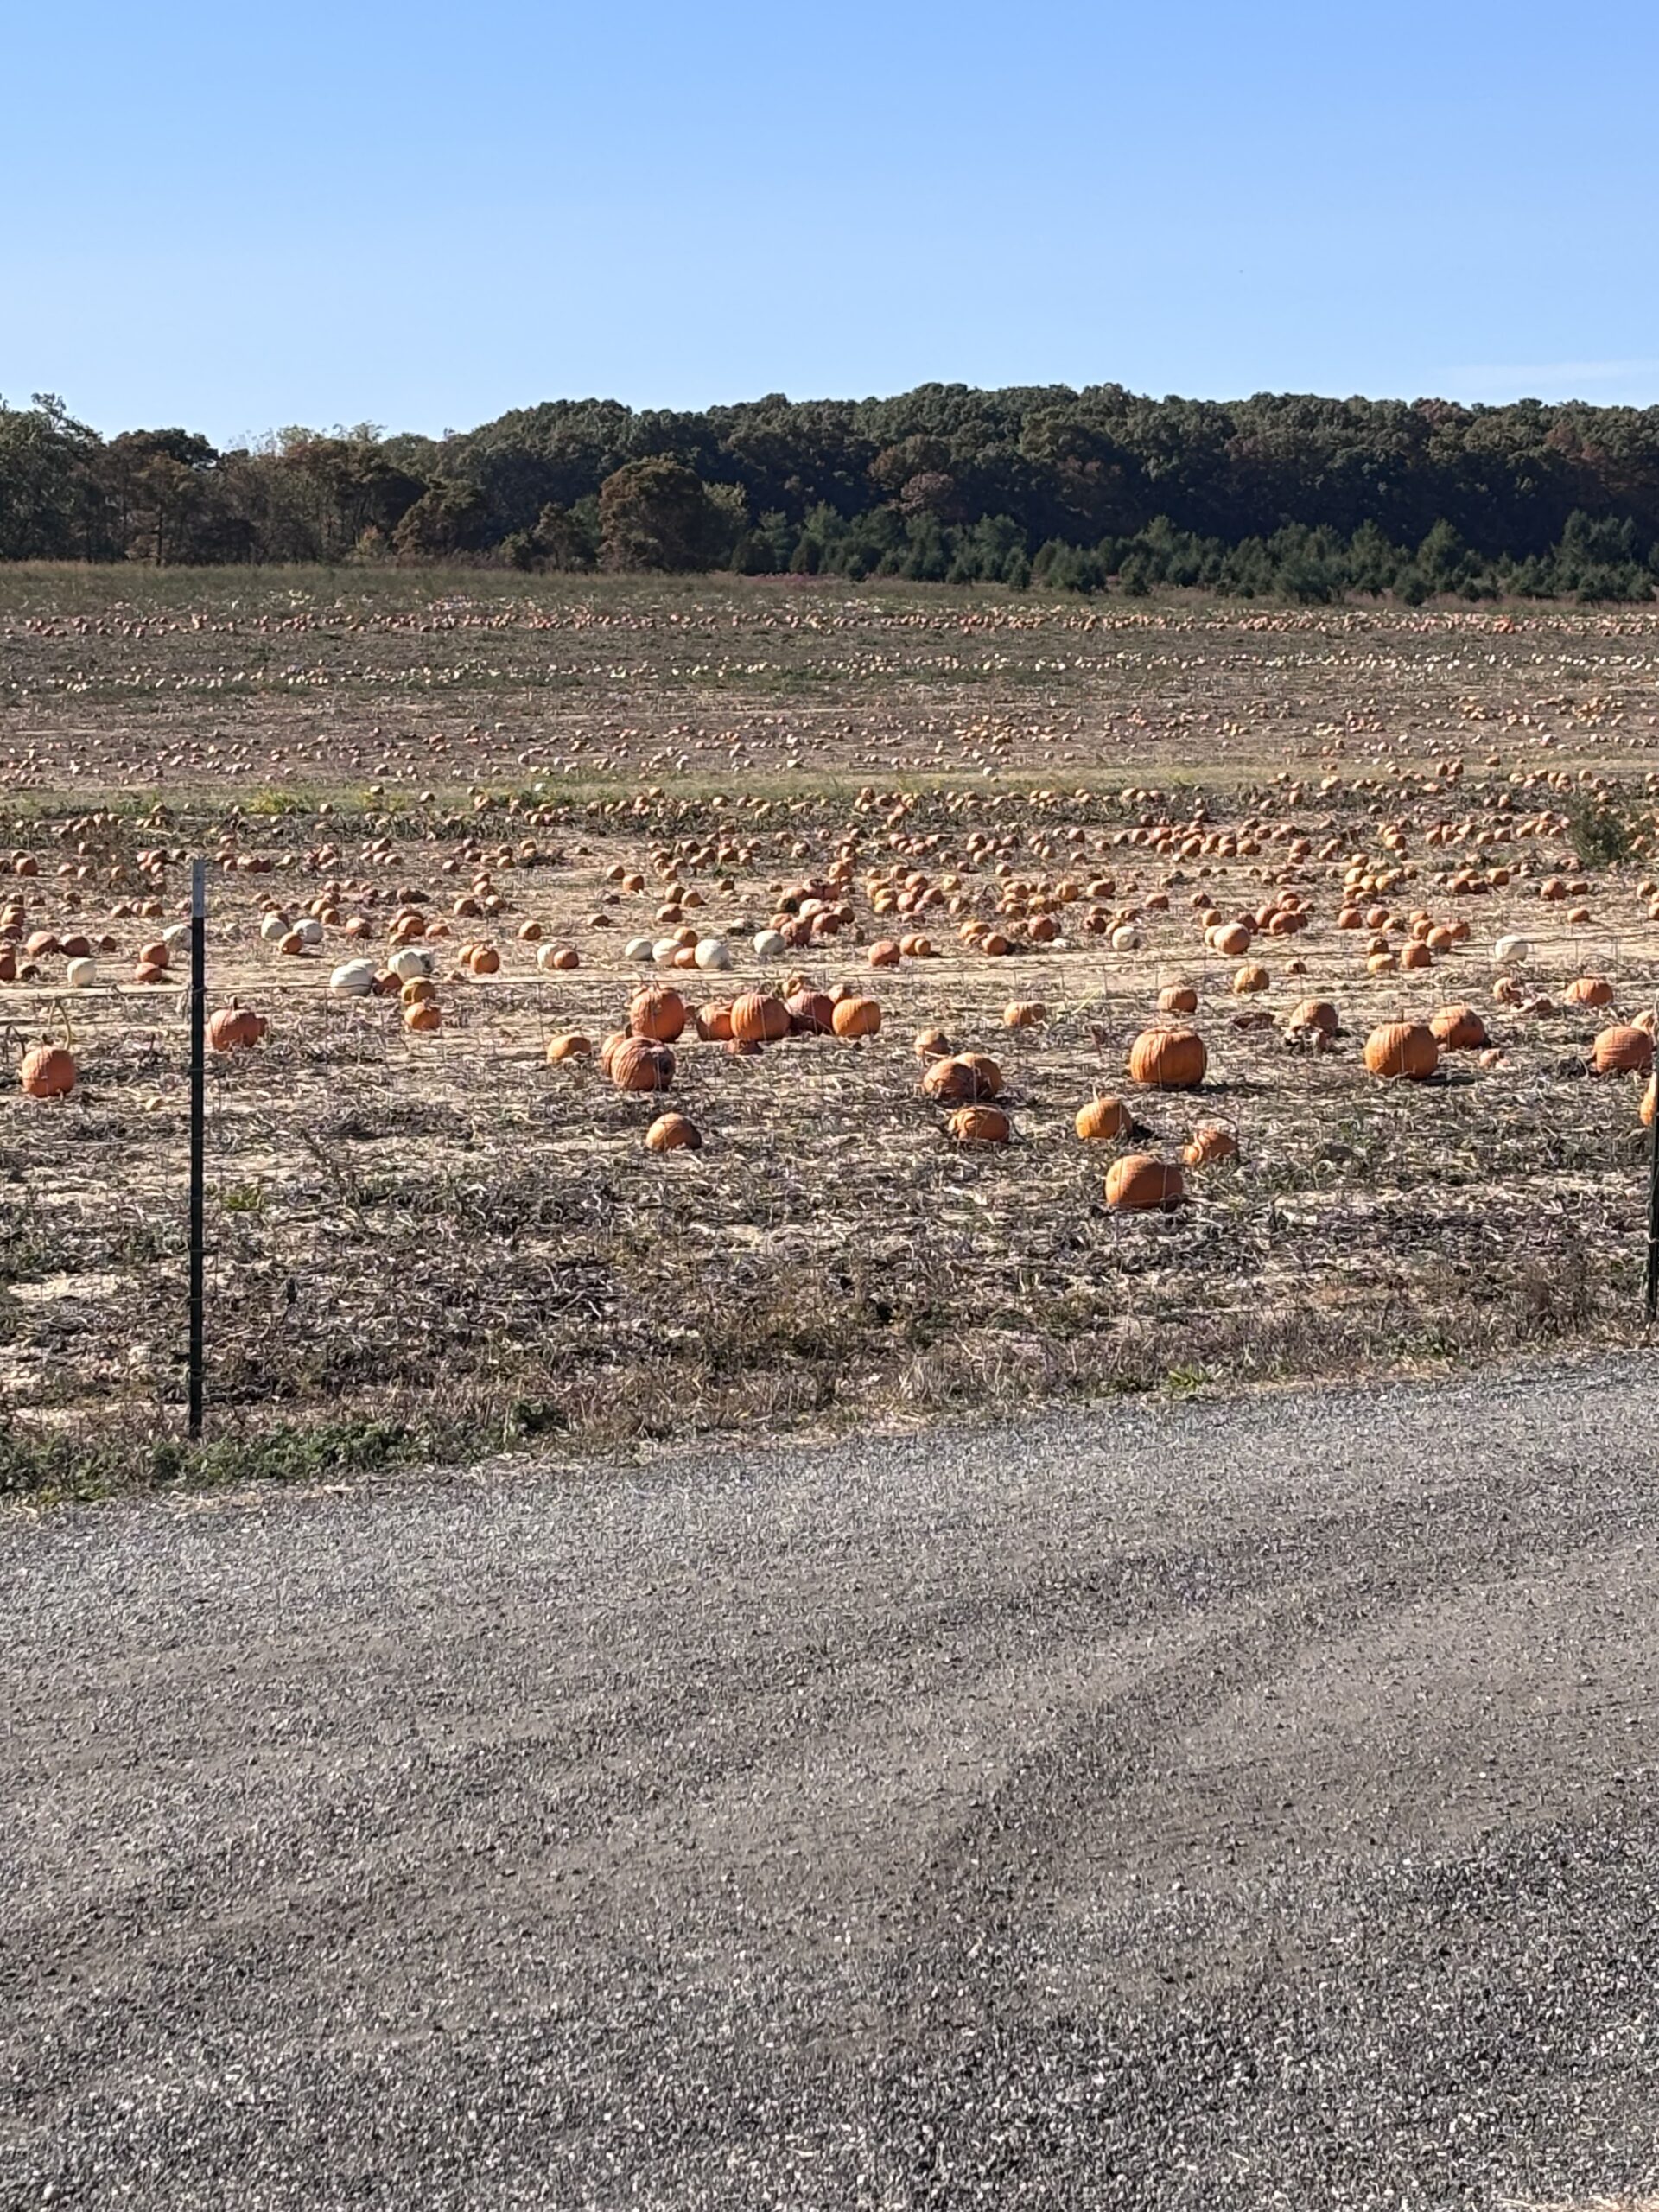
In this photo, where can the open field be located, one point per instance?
(427, 1242)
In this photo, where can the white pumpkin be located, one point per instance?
(274, 928)
(712, 956)
(309, 929)
(1511, 951)
(664, 950)
(1126, 938)
(80, 974)
(407, 964)
(769, 945)
(639, 948)
(353, 979)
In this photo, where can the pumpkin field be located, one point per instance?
(642, 1008)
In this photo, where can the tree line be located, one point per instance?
(1281, 495)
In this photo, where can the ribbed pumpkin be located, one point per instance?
(642, 1064)
(1590, 990)
(1102, 1120)
(1168, 1059)
(979, 1125)
(1139, 1183)
(1458, 1029)
(1621, 1052)
(760, 1018)
(48, 1072)
(657, 1012)
(1397, 1049)
(857, 1017)
(713, 1023)
(1178, 998)
(422, 1016)
(673, 1133)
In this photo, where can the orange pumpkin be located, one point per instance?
(234, 1028)
(673, 1133)
(657, 1012)
(760, 1018)
(572, 1046)
(1139, 1183)
(857, 1017)
(1622, 1051)
(642, 1064)
(961, 1079)
(1168, 1059)
(1210, 1143)
(1315, 1013)
(48, 1072)
(1408, 1049)
(812, 1014)
(1590, 990)
(1102, 1120)
(979, 1125)
(1458, 1029)
(1178, 998)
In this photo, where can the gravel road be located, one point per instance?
(1218, 1806)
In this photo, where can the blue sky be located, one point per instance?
(234, 217)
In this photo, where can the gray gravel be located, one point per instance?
(1226, 1805)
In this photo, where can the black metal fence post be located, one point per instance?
(198, 1127)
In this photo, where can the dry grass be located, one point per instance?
(425, 1244)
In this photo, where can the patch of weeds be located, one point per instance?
(45, 1466)
(528, 1417)
(243, 1198)
(1602, 836)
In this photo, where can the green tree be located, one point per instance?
(447, 519)
(657, 514)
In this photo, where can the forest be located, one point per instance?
(1280, 496)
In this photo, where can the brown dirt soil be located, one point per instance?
(442, 1239)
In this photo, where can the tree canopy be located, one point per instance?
(1282, 494)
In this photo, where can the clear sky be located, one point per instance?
(234, 217)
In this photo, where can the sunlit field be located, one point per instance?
(455, 823)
